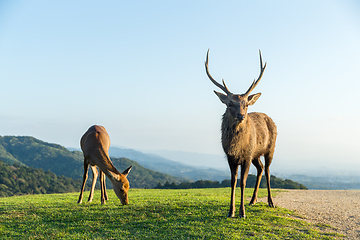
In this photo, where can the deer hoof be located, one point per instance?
(242, 216)
(271, 205)
(253, 201)
(231, 215)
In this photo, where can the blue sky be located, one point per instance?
(137, 67)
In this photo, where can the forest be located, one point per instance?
(20, 180)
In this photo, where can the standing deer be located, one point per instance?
(245, 137)
(95, 145)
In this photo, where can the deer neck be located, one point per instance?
(233, 126)
(112, 175)
(105, 165)
(235, 135)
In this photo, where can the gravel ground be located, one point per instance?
(337, 208)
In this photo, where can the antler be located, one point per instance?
(222, 87)
(255, 82)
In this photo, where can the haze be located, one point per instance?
(137, 68)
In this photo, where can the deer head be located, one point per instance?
(237, 105)
(121, 186)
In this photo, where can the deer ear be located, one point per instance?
(253, 98)
(126, 172)
(223, 98)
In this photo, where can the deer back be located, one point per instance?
(95, 145)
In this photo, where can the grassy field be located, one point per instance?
(152, 213)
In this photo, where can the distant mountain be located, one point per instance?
(31, 152)
(335, 181)
(164, 165)
(201, 160)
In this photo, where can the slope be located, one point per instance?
(35, 153)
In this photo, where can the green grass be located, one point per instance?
(152, 213)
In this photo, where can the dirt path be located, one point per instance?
(338, 208)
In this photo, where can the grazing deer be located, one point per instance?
(245, 137)
(95, 145)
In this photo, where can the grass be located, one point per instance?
(153, 214)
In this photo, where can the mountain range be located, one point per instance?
(173, 168)
(32, 152)
(149, 169)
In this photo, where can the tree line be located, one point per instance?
(275, 183)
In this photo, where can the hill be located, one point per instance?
(19, 180)
(32, 152)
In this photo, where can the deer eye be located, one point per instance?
(230, 104)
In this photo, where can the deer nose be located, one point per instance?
(240, 117)
(125, 202)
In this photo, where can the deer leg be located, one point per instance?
(234, 171)
(95, 175)
(260, 167)
(103, 187)
(268, 160)
(243, 177)
(86, 167)
(104, 176)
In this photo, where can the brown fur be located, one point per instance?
(95, 144)
(244, 143)
(245, 137)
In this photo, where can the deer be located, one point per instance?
(245, 137)
(95, 144)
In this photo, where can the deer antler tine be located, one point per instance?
(224, 88)
(255, 82)
(225, 85)
(262, 68)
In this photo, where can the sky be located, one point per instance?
(137, 68)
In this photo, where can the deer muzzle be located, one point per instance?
(240, 117)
